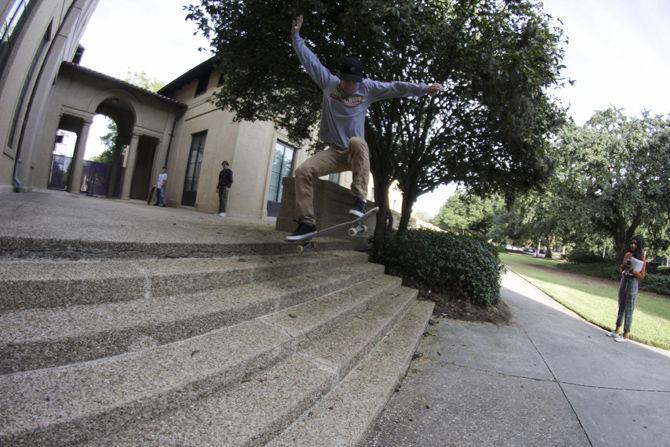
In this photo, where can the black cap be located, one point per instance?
(351, 69)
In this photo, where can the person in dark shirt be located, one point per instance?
(225, 182)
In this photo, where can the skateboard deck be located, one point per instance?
(353, 228)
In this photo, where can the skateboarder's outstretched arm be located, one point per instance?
(399, 89)
(319, 74)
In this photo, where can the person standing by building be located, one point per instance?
(346, 99)
(225, 182)
(161, 183)
(633, 269)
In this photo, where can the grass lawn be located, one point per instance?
(595, 299)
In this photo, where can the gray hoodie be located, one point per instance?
(343, 117)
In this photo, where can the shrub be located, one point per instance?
(597, 269)
(580, 255)
(662, 270)
(656, 283)
(446, 263)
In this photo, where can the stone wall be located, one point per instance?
(331, 205)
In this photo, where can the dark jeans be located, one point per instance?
(160, 200)
(627, 297)
(223, 197)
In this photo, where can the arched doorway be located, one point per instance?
(81, 163)
(119, 131)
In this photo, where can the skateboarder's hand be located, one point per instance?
(435, 88)
(297, 24)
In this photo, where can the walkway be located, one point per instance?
(549, 378)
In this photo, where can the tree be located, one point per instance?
(489, 130)
(143, 80)
(109, 141)
(616, 171)
(495, 57)
(469, 214)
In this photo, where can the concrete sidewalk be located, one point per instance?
(549, 378)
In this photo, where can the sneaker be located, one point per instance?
(222, 214)
(359, 207)
(612, 334)
(620, 339)
(303, 231)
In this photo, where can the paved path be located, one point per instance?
(60, 215)
(548, 379)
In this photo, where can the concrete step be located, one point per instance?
(41, 338)
(40, 284)
(257, 243)
(256, 409)
(343, 417)
(64, 405)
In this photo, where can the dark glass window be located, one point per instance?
(282, 165)
(193, 168)
(11, 26)
(203, 81)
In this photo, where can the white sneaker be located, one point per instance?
(620, 339)
(222, 214)
(612, 334)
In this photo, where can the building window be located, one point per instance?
(203, 82)
(335, 178)
(11, 26)
(12, 21)
(282, 165)
(193, 168)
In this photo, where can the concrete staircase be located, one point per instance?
(236, 350)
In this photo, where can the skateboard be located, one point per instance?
(354, 228)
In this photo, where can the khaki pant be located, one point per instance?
(331, 161)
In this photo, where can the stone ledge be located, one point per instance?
(331, 205)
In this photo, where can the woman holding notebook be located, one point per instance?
(633, 269)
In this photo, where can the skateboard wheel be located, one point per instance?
(352, 232)
(300, 249)
(364, 228)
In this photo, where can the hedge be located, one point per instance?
(656, 283)
(582, 256)
(445, 263)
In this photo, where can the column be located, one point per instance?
(130, 167)
(78, 158)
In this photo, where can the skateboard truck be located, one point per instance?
(353, 228)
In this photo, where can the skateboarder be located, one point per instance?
(346, 99)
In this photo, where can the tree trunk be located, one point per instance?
(621, 242)
(551, 240)
(408, 198)
(381, 199)
(623, 234)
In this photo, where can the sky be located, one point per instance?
(618, 54)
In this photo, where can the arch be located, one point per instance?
(130, 100)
